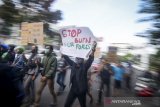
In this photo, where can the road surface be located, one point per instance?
(46, 98)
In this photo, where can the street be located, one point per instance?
(111, 36)
(46, 98)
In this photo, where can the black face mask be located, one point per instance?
(33, 51)
(79, 60)
(18, 52)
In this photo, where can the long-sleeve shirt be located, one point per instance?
(33, 67)
(19, 61)
(78, 76)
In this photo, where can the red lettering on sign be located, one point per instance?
(71, 33)
(82, 40)
(74, 33)
(76, 40)
(64, 33)
(89, 40)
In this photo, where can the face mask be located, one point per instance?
(79, 60)
(18, 51)
(47, 51)
(33, 50)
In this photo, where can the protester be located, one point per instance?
(19, 61)
(118, 78)
(3, 49)
(128, 75)
(89, 78)
(8, 92)
(62, 68)
(32, 70)
(105, 72)
(78, 79)
(9, 56)
(49, 64)
(18, 74)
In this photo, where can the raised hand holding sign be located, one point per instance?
(77, 41)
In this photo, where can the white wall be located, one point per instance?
(145, 54)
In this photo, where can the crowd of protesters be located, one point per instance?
(18, 75)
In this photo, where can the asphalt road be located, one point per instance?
(46, 98)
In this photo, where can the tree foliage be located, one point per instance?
(6, 14)
(17, 11)
(152, 8)
(155, 60)
(126, 57)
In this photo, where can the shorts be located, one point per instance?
(117, 84)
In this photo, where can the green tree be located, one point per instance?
(9, 14)
(155, 60)
(15, 12)
(152, 8)
(127, 57)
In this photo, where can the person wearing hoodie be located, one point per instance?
(78, 79)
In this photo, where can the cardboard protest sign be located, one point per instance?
(32, 33)
(112, 54)
(77, 41)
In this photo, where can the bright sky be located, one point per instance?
(114, 20)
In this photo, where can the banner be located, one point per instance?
(112, 54)
(77, 41)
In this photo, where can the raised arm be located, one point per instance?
(69, 61)
(89, 61)
(91, 57)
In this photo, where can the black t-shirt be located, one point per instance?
(105, 74)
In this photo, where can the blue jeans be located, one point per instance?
(60, 79)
